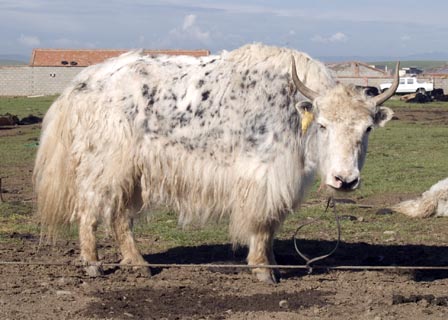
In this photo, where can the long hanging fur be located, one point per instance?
(54, 171)
(97, 157)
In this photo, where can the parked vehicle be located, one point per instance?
(409, 85)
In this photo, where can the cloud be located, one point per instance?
(29, 41)
(70, 43)
(189, 21)
(405, 38)
(337, 37)
(190, 31)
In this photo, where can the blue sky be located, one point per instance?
(321, 28)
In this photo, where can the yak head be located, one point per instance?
(340, 120)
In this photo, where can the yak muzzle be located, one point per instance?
(345, 184)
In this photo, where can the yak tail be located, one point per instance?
(53, 175)
(421, 207)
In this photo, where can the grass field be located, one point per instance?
(403, 158)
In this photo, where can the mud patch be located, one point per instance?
(431, 116)
(181, 302)
(428, 298)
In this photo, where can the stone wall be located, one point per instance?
(29, 81)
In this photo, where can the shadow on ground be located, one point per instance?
(348, 254)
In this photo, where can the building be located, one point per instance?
(51, 70)
(359, 73)
(362, 74)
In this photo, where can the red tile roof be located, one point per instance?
(87, 57)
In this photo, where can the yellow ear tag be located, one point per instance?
(307, 118)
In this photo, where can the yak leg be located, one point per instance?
(261, 252)
(89, 253)
(123, 234)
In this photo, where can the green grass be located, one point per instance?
(23, 106)
(19, 150)
(396, 103)
(403, 158)
(162, 226)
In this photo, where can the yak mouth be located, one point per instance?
(345, 187)
(341, 189)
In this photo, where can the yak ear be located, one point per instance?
(382, 116)
(304, 106)
(305, 109)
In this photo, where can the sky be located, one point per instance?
(322, 28)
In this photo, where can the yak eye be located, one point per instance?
(369, 129)
(322, 127)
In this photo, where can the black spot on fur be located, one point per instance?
(145, 90)
(146, 126)
(184, 120)
(200, 84)
(81, 86)
(294, 122)
(199, 113)
(205, 95)
(251, 140)
(131, 112)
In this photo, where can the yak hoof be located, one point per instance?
(141, 271)
(94, 271)
(269, 276)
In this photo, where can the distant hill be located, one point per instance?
(11, 62)
(421, 64)
(436, 57)
(13, 59)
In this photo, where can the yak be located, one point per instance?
(237, 135)
(433, 202)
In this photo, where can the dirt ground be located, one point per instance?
(64, 292)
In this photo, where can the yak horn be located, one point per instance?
(381, 98)
(307, 92)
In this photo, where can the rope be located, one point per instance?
(223, 266)
(308, 260)
(1, 192)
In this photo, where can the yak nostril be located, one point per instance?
(346, 185)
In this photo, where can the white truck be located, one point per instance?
(409, 85)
